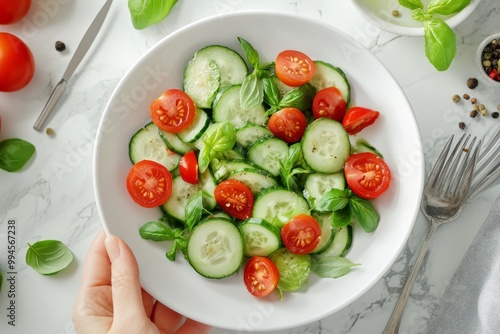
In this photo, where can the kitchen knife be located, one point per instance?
(80, 52)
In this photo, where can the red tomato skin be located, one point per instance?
(241, 203)
(188, 168)
(294, 68)
(260, 276)
(147, 170)
(177, 108)
(13, 10)
(298, 228)
(288, 124)
(367, 175)
(358, 118)
(17, 65)
(328, 102)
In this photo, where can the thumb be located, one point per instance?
(125, 284)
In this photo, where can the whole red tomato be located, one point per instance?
(13, 10)
(17, 65)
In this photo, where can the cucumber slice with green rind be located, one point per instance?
(260, 237)
(267, 154)
(256, 179)
(328, 75)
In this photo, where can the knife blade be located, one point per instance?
(79, 54)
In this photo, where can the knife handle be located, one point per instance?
(56, 94)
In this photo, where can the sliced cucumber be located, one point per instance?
(260, 237)
(251, 133)
(318, 184)
(327, 234)
(222, 168)
(207, 184)
(267, 154)
(174, 143)
(227, 107)
(215, 248)
(325, 146)
(256, 179)
(194, 132)
(341, 243)
(328, 75)
(278, 206)
(147, 144)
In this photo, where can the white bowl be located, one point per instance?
(379, 13)
(479, 59)
(226, 303)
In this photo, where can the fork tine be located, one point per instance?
(466, 173)
(438, 165)
(454, 159)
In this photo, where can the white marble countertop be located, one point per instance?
(53, 197)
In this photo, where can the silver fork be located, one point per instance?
(487, 169)
(444, 196)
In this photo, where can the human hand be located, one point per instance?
(111, 299)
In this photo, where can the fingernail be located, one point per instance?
(113, 247)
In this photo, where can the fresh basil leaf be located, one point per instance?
(204, 157)
(271, 93)
(220, 137)
(411, 4)
(148, 12)
(342, 217)
(15, 153)
(48, 257)
(251, 54)
(364, 213)
(287, 164)
(179, 243)
(251, 92)
(446, 7)
(194, 209)
(331, 266)
(156, 231)
(419, 15)
(440, 43)
(292, 98)
(333, 200)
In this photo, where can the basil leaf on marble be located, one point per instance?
(148, 12)
(15, 153)
(48, 257)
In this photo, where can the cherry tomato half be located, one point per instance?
(288, 124)
(173, 111)
(13, 10)
(301, 234)
(188, 168)
(328, 102)
(367, 174)
(260, 276)
(294, 68)
(17, 65)
(358, 118)
(149, 183)
(235, 198)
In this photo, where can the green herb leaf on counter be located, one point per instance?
(440, 43)
(145, 13)
(15, 153)
(439, 38)
(48, 257)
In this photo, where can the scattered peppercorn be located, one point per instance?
(483, 110)
(466, 96)
(498, 107)
(60, 46)
(49, 131)
(472, 83)
(396, 13)
(473, 100)
(473, 113)
(476, 107)
(495, 114)
(455, 98)
(461, 125)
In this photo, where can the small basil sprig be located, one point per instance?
(331, 266)
(347, 207)
(300, 97)
(439, 38)
(148, 12)
(15, 153)
(219, 137)
(48, 257)
(252, 87)
(159, 231)
(290, 167)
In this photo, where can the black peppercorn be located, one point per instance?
(473, 113)
(60, 46)
(495, 114)
(472, 83)
(461, 125)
